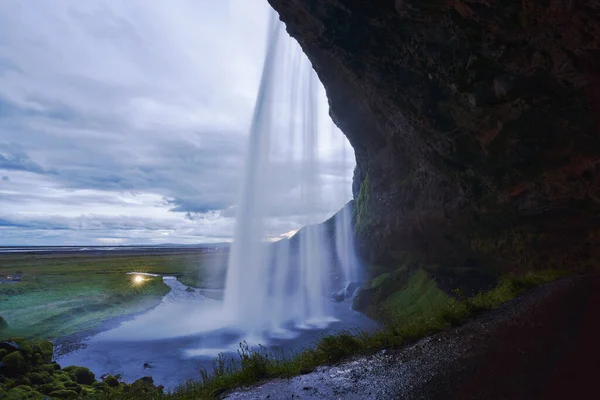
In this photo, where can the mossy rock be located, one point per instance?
(100, 386)
(35, 352)
(73, 386)
(63, 376)
(14, 364)
(3, 352)
(23, 393)
(65, 394)
(48, 388)
(82, 375)
(49, 368)
(9, 384)
(144, 385)
(39, 378)
(111, 381)
(23, 380)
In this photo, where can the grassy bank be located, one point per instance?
(63, 294)
(409, 304)
(419, 308)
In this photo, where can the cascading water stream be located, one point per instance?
(273, 288)
(344, 238)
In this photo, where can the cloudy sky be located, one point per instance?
(126, 122)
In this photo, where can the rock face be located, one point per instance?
(475, 125)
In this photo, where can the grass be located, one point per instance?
(417, 309)
(63, 294)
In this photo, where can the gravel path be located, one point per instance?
(543, 345)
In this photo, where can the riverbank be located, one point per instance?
(62, 293)
(541, 345)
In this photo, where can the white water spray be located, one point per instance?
(271, 289)
(344, 238)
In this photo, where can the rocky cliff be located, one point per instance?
(475, 125)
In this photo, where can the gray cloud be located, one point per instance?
(13, 158)
(128, 120)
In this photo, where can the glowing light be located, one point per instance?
(138, 279)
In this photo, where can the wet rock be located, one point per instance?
(362, 299)
(347, 292)
(504, 86)
(147, 365)
(189, 289)
(9, 345)
(144, 385)
(450, 120)
(338, 297)
(350, 289)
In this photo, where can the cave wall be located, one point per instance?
(475, 125)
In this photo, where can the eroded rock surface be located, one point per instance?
(474, 122)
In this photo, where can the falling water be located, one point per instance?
(344, 238)
(271, 289)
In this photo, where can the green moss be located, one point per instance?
(511, 286)
(14, 363)
(411, 306)
(111, 381)
(375, 283)
(39, 378)
(48, 388)
(22, 393)
(8, 383)
(74, 386)
(361, 212)
(81, 375)
(65, 394)
(421, 307)
(49, 368)
(3, 352)
(101, 386)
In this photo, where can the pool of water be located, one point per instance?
(185, 333)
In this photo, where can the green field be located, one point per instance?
(61, 294)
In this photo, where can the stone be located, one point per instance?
(82, 375)
(475, 151)
(111, 381)
(13, 364)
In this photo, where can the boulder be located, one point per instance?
(82, 375)
(13, 364)
(347, 292)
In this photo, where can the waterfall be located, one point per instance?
(274, 289)
(344, 238)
